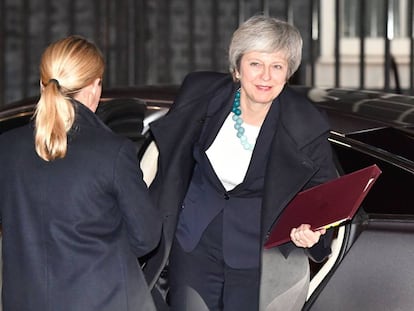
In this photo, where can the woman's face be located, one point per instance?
(262, 76)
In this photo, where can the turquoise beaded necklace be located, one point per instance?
(238, 121)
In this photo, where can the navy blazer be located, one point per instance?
(299, 155)
(240, 207)
(74, 227)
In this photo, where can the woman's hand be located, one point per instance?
(304, 236)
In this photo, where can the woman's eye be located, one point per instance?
(254, 64)
(278, 67)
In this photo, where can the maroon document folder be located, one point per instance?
(325, 205)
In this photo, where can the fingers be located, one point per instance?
(304, 236)
(322, 231)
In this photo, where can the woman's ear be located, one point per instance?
(237, 74)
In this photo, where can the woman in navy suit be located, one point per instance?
(234, 150)
(74, 209)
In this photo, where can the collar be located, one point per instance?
(84, 117)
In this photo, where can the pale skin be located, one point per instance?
(262, 77)
(90, 94)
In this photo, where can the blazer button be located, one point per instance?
(226, 196)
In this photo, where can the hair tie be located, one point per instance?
(55, 81)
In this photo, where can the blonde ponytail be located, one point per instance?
(54, 117)
(67, 66)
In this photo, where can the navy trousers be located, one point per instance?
(200, 280)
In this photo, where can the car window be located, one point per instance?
(398, 142)
(392, 193)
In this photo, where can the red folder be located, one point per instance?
(325, 205)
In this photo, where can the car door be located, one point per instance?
(374, 266)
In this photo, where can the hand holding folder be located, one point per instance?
(324, 206)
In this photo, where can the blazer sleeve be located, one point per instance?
(142, 220)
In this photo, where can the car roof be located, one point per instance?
(364, 108)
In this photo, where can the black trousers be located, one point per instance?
(200, 280)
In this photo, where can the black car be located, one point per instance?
(372, 261)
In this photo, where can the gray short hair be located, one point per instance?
(266, 34)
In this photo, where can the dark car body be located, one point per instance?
(372, 263)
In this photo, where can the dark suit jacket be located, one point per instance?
(74, 227)
(300, 155)
(241, 207)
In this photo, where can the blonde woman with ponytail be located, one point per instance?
(74, 209)
(69, 69)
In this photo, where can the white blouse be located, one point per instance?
(228, 157)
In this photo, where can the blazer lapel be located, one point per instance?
(219, 107)
(260, 155)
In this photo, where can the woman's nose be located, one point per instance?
(266, 73)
